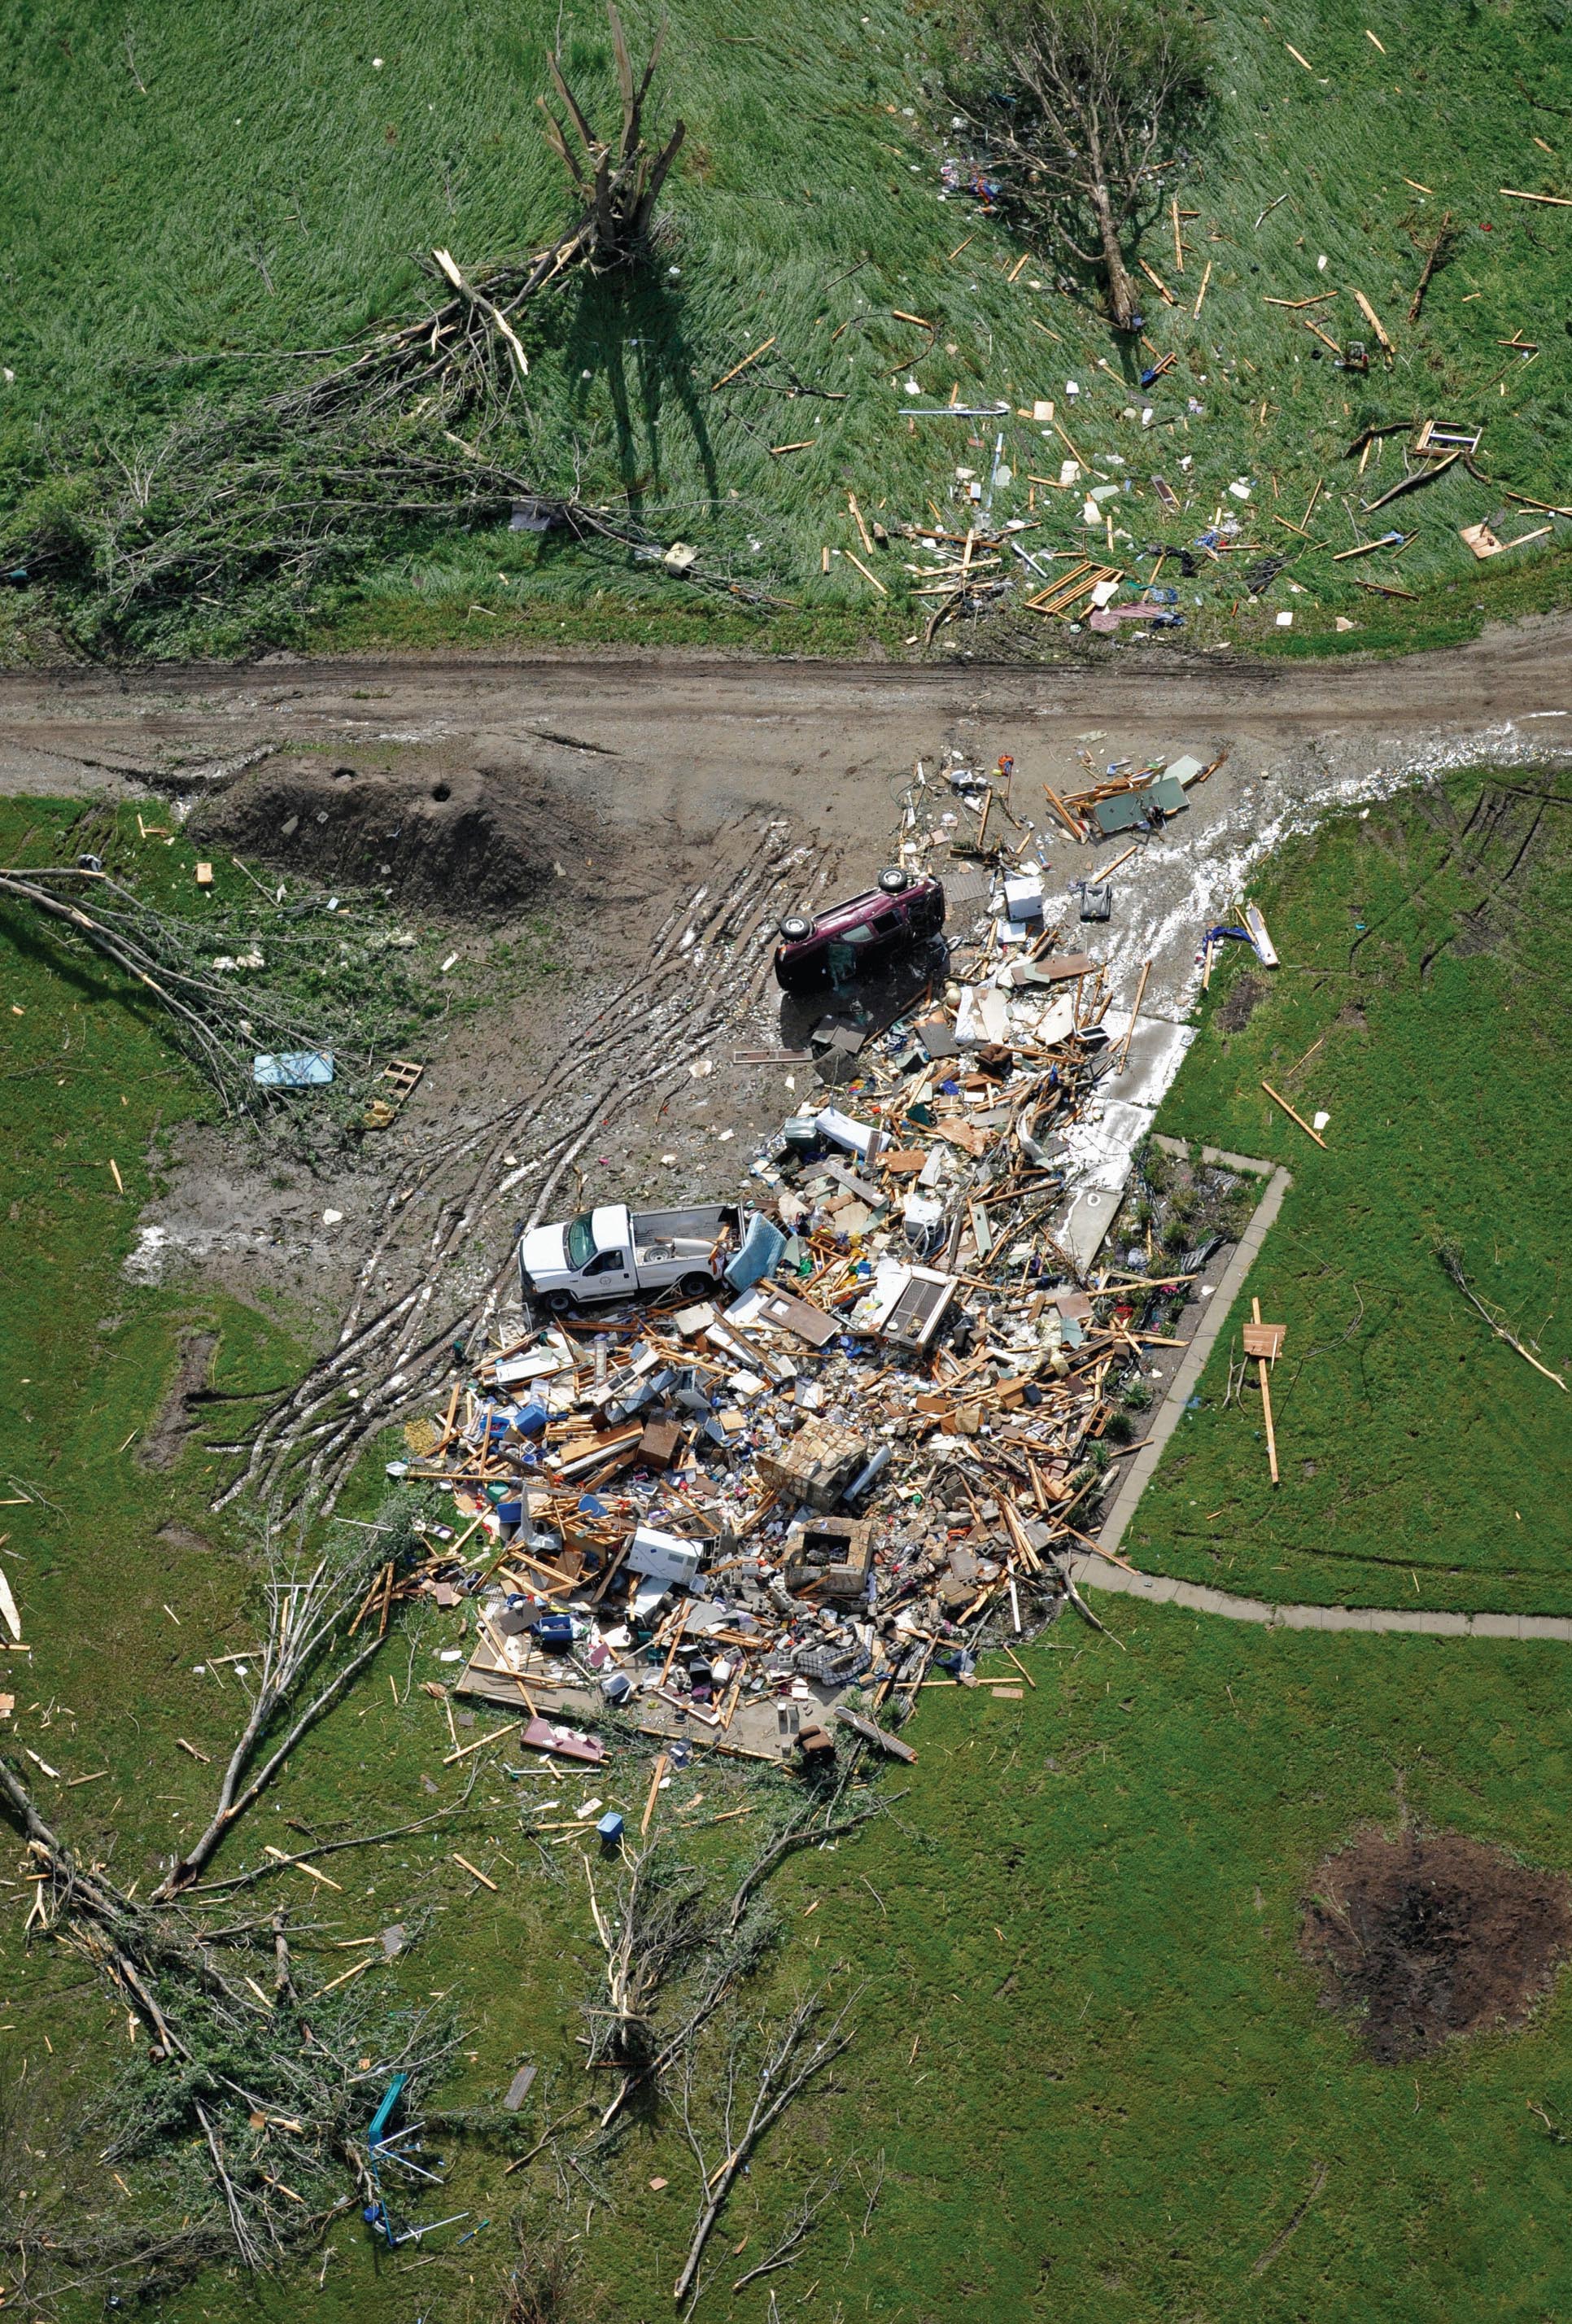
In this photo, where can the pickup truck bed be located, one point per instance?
(655, 1250)
(684, 1234)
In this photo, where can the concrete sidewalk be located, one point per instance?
(1161, 1590)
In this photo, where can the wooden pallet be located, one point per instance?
(401, 1077)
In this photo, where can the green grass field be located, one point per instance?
(189, 195)
(1423, 1462)
(1088, 2050)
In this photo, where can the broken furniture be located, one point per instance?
(1441, 440)
(401, 1077)
(1076, 589)
(907, 1306)
(816, 1745)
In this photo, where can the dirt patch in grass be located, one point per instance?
(465, 843)
(187, 1538)
(165, 1440)
(1243, 995)
(1431, 1934)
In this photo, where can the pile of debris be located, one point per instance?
(859, 1426)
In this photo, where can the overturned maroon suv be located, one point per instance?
(845, 941)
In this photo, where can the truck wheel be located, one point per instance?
(695, 1287)
(795, 926)
(559, 1303)
(894, 880)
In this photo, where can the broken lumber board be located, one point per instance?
(1265, 1387)
(517, 2089)
(1374, 319)
(763, 348)
(1065, 818)
(1288, 1109)
(1367, 548)
(876, 1735)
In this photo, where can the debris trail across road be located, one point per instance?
(771, 781)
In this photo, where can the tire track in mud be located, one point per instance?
(704, 974)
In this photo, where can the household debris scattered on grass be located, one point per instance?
(852, 1432)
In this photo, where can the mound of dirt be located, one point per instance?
(465, 844)
(1431, 1934)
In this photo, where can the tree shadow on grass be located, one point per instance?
(631, 329)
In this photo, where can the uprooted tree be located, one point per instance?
(470, 345)
(1086, 107)
(251, 497)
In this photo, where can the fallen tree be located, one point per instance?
(676, 1952)
(247, 2096)
(469, 349)
(1085, 107)
(255, 496)
(221, 1015)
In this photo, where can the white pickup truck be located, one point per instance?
(609, 1252)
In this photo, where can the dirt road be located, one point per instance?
(672, 747)
(748, 730)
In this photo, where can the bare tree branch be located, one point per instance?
(820, 2191)
(303, 1616)
(787, 2068)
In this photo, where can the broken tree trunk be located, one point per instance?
(1122, 308)
(618, 184)
(1438, 252)
(452, 353)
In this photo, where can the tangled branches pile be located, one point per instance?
(461, 356)
(781, 2064)
(247, 2099)
(678, 1949)
(668, 1940)
(218, 1019)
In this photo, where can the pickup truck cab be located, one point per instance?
(611, 1252)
